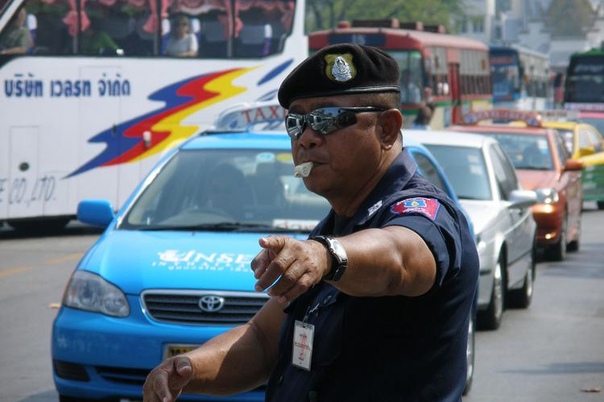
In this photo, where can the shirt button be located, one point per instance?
(280, 380)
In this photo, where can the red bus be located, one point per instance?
(455, 69)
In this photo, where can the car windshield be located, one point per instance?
(465, 167)
(567, 138)
(226, 190)
(527, 152)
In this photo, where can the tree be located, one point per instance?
(325, 14)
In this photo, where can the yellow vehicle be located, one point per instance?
(585, 143)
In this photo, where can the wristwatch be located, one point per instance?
(339, 259)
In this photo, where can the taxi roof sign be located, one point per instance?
(531, 119)
(560, 115)
(259, 116)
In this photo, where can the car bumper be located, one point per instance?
(549, 220)
(96, 356)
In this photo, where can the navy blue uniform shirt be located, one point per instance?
(392, 348)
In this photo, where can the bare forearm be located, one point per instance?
(240, 359)
(227, 364)
(387, 262)
(15, 50)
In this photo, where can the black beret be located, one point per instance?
(345, 68)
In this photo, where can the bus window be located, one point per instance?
(223, 28)
(584, 80)
(261, 26)
(412, 79)
(17, 39)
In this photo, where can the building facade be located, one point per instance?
(555, 27)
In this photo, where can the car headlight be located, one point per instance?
(547, 195)
(90, 292)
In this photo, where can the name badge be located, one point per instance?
(303, 338)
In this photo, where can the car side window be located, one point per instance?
(584, 140)
(561, 150)
(504, 170)
(596, 139)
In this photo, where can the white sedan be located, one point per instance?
(489, 190)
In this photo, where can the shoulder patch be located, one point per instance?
(425, 206)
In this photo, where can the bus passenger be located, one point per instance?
(182, 42)
(17, 40)
(95, 41)
(426, 111)
(410, 91)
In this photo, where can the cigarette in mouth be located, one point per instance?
(303, 169)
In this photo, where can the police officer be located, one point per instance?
(374, 306)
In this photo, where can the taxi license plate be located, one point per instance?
(173, 350)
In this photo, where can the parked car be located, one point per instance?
(543, 164)
(489, 190)
(172, 268)
(585, 143)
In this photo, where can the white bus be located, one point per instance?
(93, 100)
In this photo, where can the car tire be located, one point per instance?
(40, 226)
(522, 298)
(470, 354)
(557, 251)
(600, 204)
(64, 398)
(490, 319)
(574, 245)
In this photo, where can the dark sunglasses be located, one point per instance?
(325, 120)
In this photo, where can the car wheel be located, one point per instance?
(470, 356)
(521, 298)
(573, 246)
(490, 319)
(600, 204)
(557, 252)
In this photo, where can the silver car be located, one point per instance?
(489, 190)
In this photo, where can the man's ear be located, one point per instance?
(390, 122)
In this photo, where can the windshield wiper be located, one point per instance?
(223, 227)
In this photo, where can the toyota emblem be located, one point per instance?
(211, 303)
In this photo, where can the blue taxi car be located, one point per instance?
(172, 268)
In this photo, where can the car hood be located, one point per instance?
(534, 179)
(481, 213)
(140, 260)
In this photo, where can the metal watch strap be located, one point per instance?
(339, 260)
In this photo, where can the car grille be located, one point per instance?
(184, 306)
(123, 375)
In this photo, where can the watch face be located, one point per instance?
(338, 250)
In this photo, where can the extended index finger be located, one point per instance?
(276, 264)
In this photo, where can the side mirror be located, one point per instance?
(95, 212)
(573, 165)
(523, 198)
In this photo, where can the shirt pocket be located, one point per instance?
(328, 320)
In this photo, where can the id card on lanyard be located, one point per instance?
(302, 349)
